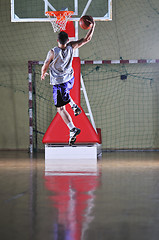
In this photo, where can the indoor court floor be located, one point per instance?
(117, 201)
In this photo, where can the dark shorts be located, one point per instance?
(61, 93)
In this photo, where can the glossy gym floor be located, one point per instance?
(117, 201)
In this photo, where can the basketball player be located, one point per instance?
(59, 61)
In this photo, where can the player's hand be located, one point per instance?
(92, 24)
(44, 75)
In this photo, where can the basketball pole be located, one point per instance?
(76, 53)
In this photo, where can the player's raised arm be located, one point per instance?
(79, 43)
(49, 58)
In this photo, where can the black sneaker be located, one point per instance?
(73, 133)
(76, 110)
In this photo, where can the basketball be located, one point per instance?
(85, 22)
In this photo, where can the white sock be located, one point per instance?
(72, 103)
(70, 125)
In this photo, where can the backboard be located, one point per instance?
(34, 10)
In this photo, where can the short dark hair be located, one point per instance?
(63, 37)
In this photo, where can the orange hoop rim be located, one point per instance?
(58, 19)
(59, 14)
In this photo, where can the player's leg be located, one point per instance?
(65, 115)
(61, 98)
(68, 121)
(75, 107)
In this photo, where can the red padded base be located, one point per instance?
(58, 132)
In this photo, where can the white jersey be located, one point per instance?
(61, 70)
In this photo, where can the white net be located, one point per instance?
(59, 21)
(55, 25)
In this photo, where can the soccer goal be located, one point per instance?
(123, 95)
(54, 135)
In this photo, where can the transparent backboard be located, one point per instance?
(34, 10)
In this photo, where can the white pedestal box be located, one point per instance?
(58, 157)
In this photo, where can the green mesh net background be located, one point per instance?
(125, 110)
(124, 101)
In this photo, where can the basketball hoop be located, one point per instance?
(58, 19)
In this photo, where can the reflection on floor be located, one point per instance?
(117, 200)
